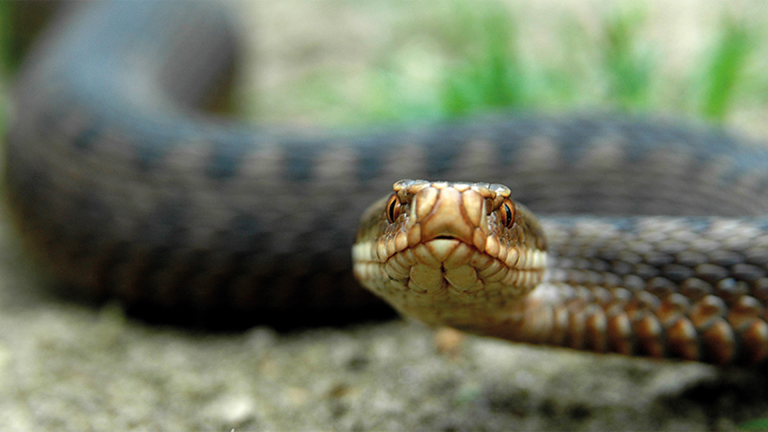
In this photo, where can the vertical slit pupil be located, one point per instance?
(391, 209)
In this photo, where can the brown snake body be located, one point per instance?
(129, 193)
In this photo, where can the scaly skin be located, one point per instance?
(464, 255)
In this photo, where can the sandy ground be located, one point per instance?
(69, 366)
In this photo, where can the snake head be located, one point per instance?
(461, 245)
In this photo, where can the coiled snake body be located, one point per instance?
(127, 192)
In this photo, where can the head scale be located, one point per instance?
(467, 246)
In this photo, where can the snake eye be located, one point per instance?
(507, 210)
(393, 208)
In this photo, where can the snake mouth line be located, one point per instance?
(426, 267)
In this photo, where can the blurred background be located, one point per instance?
(344, 62)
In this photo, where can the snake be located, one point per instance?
(631, 234)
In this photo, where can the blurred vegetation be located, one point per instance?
(760, 425)
(472, 61)
(461, 56)
(629, 77)
(5, 33)
(623, 62)
(724, 72)
(492, 76)
(628, 70)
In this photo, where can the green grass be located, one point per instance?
(492, 76)
(473, 62)
(723, 74)
(627, 68)
(623, 73)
